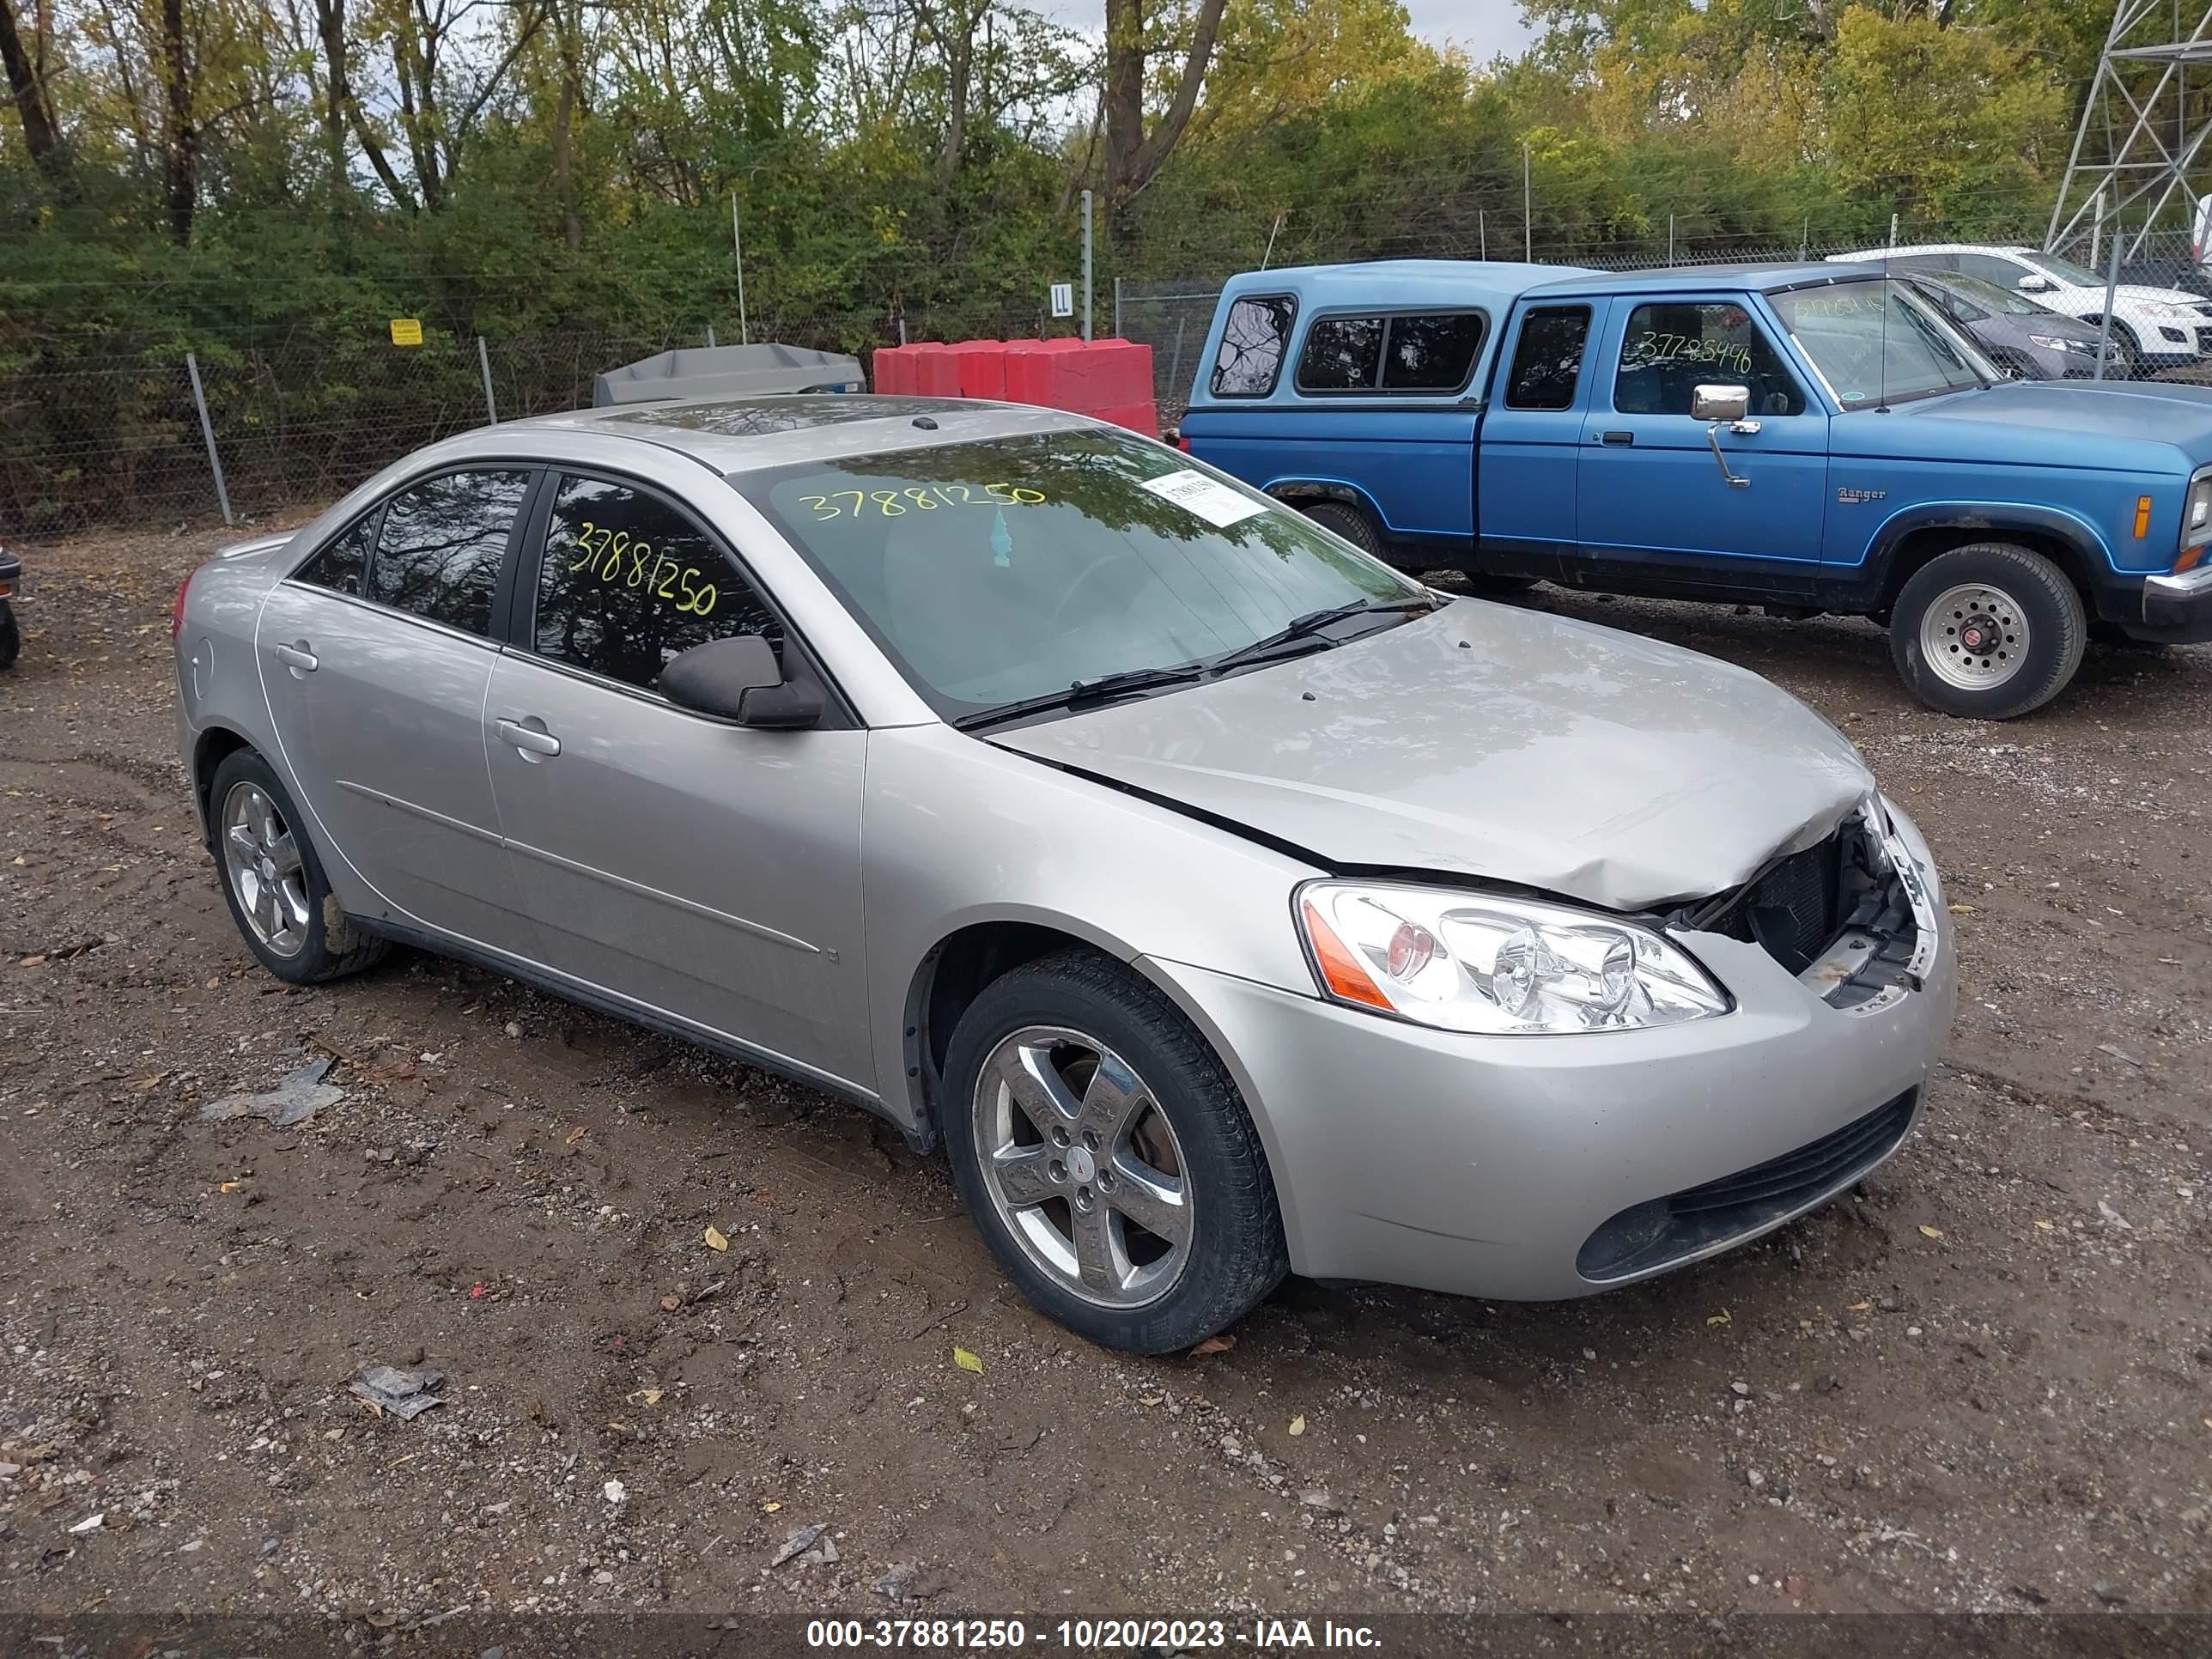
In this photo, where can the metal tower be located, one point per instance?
(2142, 149)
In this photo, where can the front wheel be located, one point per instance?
(1103, 1152)
(1988, 632)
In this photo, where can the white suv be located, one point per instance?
(2153, 328)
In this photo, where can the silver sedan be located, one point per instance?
(1223, 901)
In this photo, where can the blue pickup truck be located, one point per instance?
(1809, 438)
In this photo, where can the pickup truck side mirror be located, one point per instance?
(739, 679)
(2032, 283)
(1720, 402)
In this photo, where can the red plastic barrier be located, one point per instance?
(1143, 417)
(1031, 370)
(895, 369)
(982, 367)
(1105, 374)
(936, 369)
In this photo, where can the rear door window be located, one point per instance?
(1253, 341)
(1431, 353)
(438, 553)
(627, 582)
(1671, 349)
(1342, 353)
(342, 564)
(1547, 360)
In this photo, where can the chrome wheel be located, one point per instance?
(1974, 636)
(1083, 1166)
(261, 861)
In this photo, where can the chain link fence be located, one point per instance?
(298, 416)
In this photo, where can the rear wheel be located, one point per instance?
(1106, 1156)
(273, 882)
(1989, 632)
(1352, 523)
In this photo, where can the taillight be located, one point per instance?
(176, 609)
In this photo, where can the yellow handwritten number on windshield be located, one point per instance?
(918, 498)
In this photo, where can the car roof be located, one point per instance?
(749, 435)
(1759, 278)
(1392, 284)
(1875, 255)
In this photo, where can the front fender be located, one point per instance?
(1994, 518)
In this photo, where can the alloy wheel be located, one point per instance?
(1083, 1166)
(262, 863)
(1974, 636)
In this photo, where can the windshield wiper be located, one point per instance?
(1084, 693)
(1312, 624)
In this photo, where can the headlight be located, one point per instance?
(2060, 343)
(2196, 512)
(1471, 962)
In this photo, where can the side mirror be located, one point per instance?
(739, 679)
(1720, 402)
(2032, 283)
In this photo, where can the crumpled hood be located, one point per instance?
(1542, 752)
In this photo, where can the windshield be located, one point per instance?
(1989, 295)
(1875, 346)
(2064, 269)
(1008, 569)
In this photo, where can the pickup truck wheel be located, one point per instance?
(1988, 632)
(1106, 1157)
(1351, 523)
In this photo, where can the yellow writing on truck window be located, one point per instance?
(917, 498)
(617, 560)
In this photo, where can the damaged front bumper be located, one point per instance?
(1533, 1168)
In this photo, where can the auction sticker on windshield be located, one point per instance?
(1216, 503)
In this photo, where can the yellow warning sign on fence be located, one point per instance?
(407, 331)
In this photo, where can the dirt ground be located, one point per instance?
(1982, 1384)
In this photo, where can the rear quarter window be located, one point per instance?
(1253, 340)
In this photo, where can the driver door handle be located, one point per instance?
(531, 739)
(298, 657)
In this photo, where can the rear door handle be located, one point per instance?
(298, 657)
(1616, 437)
(532, 737)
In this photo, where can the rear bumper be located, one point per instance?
(2168, 610)
(1536, 1168)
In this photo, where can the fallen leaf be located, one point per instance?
(1720, 1318)
(770, 1507)
(714, 1239)
(231, 1187)
(1963, 910)
(2045, 1226)
(144, 1083)
(1150, 1399)
(967, 1362)
(576, 1135)
(645, 1397)
(1214, 1345)
(30, 962)
(1931, 1232)
(1297, 1425)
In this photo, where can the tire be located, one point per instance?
(1352, 523)
(1064, 1025)
(2021, 608)
(11, 638)
(291, 923)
